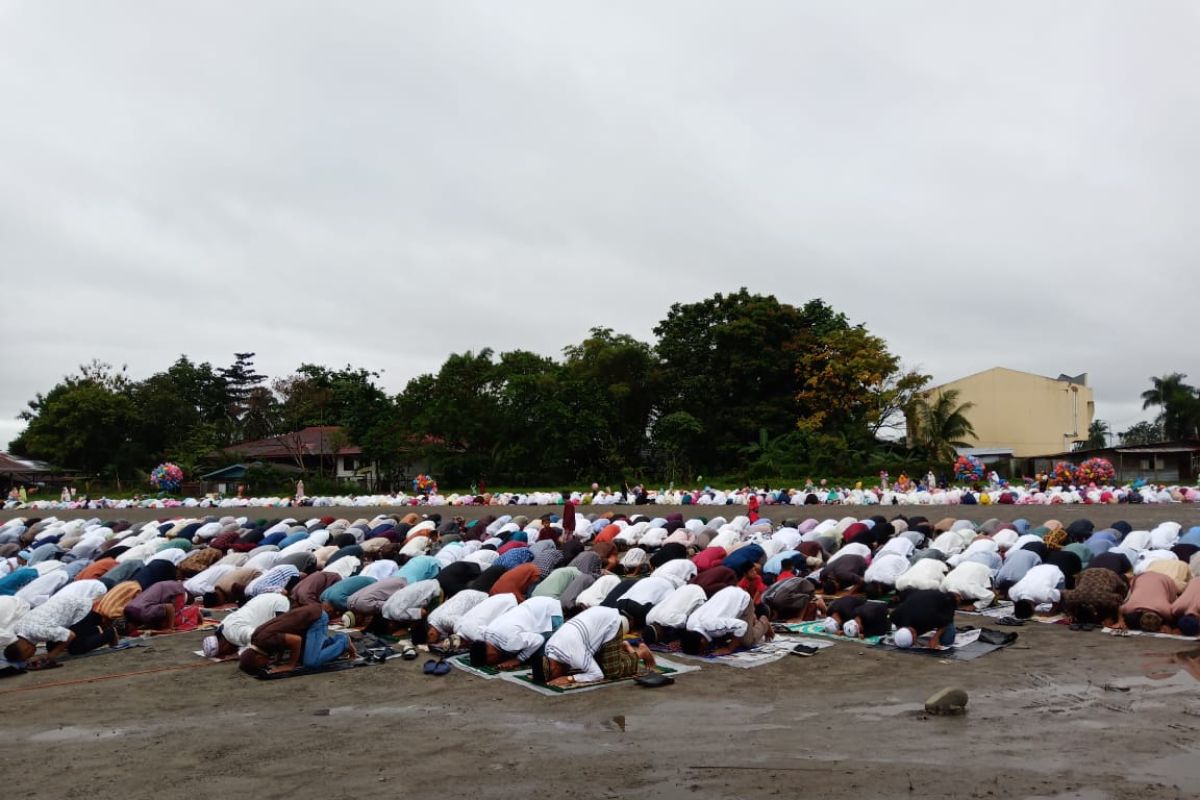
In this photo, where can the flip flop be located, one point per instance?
(441, 668)
(409, 654)
(429, 667)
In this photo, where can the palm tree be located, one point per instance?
(943, 425)
(1097, 435)
(1180, 407)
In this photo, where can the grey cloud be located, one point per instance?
(386, 183)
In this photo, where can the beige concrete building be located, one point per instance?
(1028, 414)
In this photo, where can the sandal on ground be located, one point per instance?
(409, 653)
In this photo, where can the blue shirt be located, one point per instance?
(1016, 564)
(338, 595)
(419, 568)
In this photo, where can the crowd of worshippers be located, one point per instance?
(577, 599)
(821, 493)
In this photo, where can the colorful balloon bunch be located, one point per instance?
(968, 469)
(1065, 473)
(167, 477)
(1096, 470)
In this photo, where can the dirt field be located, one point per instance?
(1058, 714)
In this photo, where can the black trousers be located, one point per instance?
(90, 632)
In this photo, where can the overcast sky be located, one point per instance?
(385, 183)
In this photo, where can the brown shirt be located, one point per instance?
(268, 637)
(309, 589)
(1098, 587)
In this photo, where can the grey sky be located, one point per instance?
(384, 183)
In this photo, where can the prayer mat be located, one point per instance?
(463, 662)
(764, 653)
(1005, 608)
(968, 645)
(817, 628)
(1156, 635)
(333, 666)
(524, 678)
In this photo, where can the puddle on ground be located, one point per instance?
(1185, 662)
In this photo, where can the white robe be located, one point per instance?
(522, 630)
(577, 642)
(721, 614)
(674, 610)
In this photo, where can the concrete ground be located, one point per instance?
(1058, 714)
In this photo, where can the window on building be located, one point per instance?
(348, 464)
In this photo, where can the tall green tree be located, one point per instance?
(730, 362)
(1179, 403)
(1098, 433)
(1143, 433)
(85, 422)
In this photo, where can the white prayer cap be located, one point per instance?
(850, 629)
(831, 625)
(903, 637)
(210, 646)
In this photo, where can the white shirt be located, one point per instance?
(971, 581)
(1136, 540)
(886, 568)
(239, 626)
(172, 554)
(594, 595)
(265, 560)
(470, 626)
(89, 590)
(381, 569)
(205, 581)
(1040, 585)
(900, 545)
(674, 610)
(649, 590)
(721, 614)
(39, 590)
(11, 611)
(446, 616)
(678, 571)
(408, 603)
(51, 621)
(926, 573)
(521, 630)
(576, 643)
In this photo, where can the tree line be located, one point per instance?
(737, 385)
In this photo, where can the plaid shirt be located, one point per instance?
(273, 580)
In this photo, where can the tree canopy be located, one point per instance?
(735, 383)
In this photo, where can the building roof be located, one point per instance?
(1081, 378)
(13, 465)
(1132, 449)
(315, 441)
